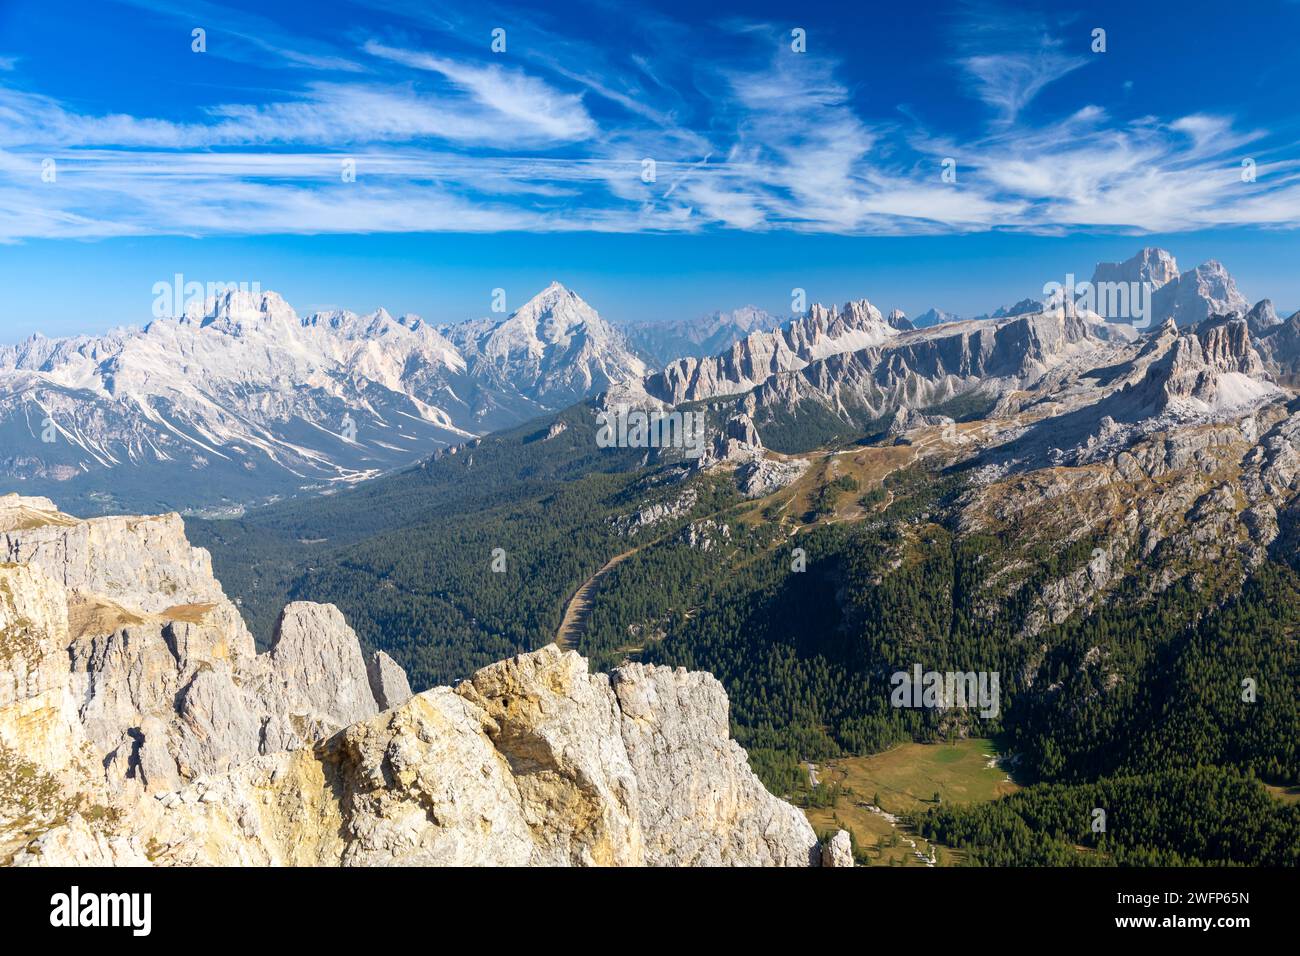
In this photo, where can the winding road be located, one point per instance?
(575, 615)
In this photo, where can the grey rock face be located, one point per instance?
(909, 418)
(736, 441)
(1187, 298)
(1211, 370)
(1262, 316)
(655, 514)
(144, 563)
(763, 476)
(698, 801)
(1198, 294)
(705, 535)
(387, 681)
(557, 726)
(897, 319)
(162, 678)
(758, 356)
(1279, 346)
(315, 652)
(1152, 265)
(927, 367)
(740, 428)
(533, 761)
(838, 850)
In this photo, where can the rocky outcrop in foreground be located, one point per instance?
(138, 725)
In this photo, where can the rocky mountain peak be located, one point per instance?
(135, 703)
(934, 316)
(1023, 307)
(1188, 298)
(554, 348)
(1205, 372)
(238, 312)
(1215, 282)
(1166, 332)
(1152, 265)
(1226, 345)
(1278, 343)
(1262, 316)
(557, 312)
(897, 319)
(752, 360)
(828, 331)
(1197, 294)
(263, 403)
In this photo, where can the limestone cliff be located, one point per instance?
(138, 725)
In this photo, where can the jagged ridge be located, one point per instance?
(134, 696)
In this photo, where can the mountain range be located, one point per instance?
(240, 401)
(662, 342)
(1186, 297)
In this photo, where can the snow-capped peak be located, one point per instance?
(555, 347)
(555, 313)
(239, 311)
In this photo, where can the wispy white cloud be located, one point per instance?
(1146, 175)
(325, 114)
(519, 99)
(449, 138)
(1009, 81)
(1009, 57)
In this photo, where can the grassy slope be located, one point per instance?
(905, 778)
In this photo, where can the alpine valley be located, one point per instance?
(1103, 515)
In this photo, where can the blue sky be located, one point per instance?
(773, 168)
